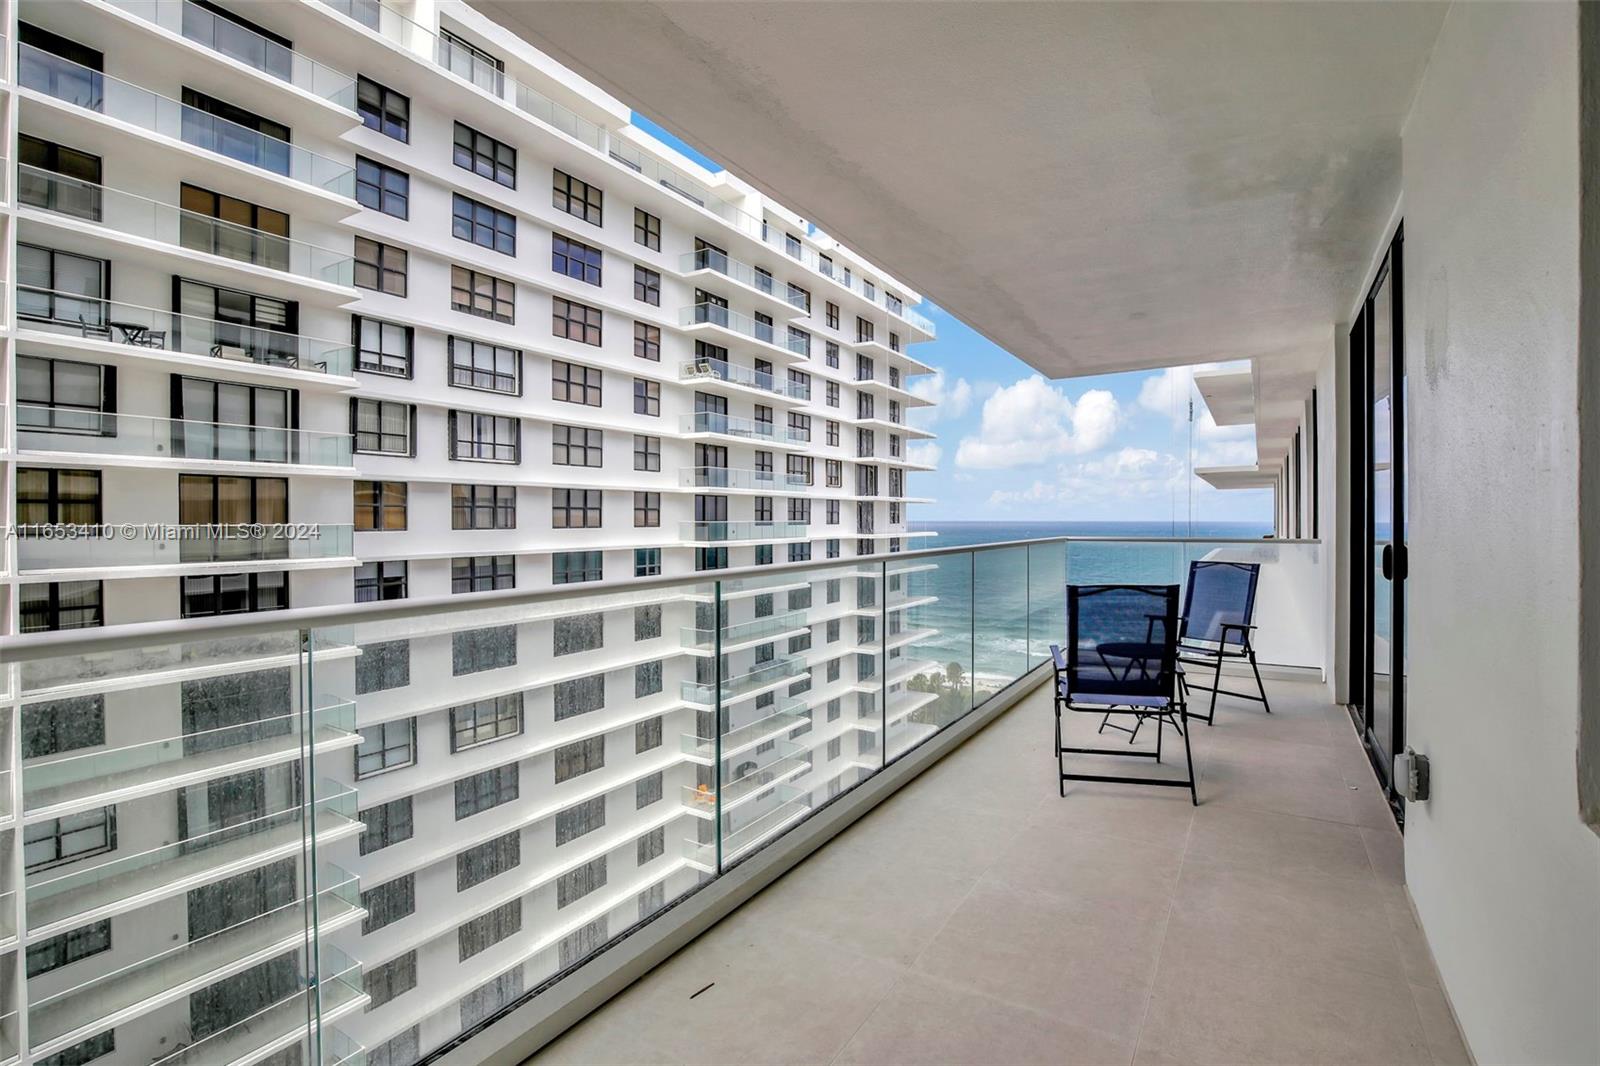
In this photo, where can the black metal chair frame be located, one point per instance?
(1192, 654)
(1174, 712)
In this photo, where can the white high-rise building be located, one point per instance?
(427, 308)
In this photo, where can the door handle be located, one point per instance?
(1394, 562)
(1387, 562)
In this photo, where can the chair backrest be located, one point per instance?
(1122, 639)
(1219, 592)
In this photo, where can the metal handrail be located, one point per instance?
(34, 646)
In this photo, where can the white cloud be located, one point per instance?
(1127, 474)
(1032, 422)
(924, 451)
(1168, 392)
(951, 399)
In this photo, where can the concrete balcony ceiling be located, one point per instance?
(1095, 187)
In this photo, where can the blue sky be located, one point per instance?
(1014, 446)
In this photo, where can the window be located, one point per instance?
(482, 573)
(483, 225)
(485, 156)
(491, 788)
(473, 651)
(575, 321)
(56, 841)
(577, 633)
(381, 267)
(386, 825)
(489, 997)
(578, 198)
(579, 696)
(208, 595)
(646, 229)
(382, 347)
(386, 580)
(383, 188)
(576, 446)
(490, 367)
(238, 229)
(647, 622)
(65, 396)
(58, 497)
(578, 883)
(383, 109)
(401, 1050)
(833, 401)
(386, 746)
(646, 562)
(382, 427)
(481, 438)
(483, 507)
(75, 192)
(834, 470)
(575, 509)
(389, 902)
(487, 930)
(647, 397)
(799, 426)
(711, 558)
(763, 555)
(647, 341)
(574, 259)
(485, 721)
(799, 341)
(831, 313)
(383, 666)
(648, 790)
(582, 818)
(800, 468)
(581, 757)
(646, 509)
(583, 942)
(567, 568)
(647, 679)
(646, 452)
(64, 725)
(390, 979)
(482, 295)
(647, 735)
(489, 859)
(646, 285)
(791, 245)
(571, 383)
(83, 1051)
(69, 947)
(799, 298)
(466, 60)
(62, 287)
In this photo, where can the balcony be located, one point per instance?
(722, 477)
(740, 328)
(55, 317)
(105, 435)
(702, 370)
(736, 531)
(757, 282)
(85, 208)
(732, 426)
(78, 86)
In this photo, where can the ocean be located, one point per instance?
(1018, 592)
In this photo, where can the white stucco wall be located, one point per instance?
(1505, 876)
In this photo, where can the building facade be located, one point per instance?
(427, 310)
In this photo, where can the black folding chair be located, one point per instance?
(1217, 626)
(1121, 658)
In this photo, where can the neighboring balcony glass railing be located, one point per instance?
(715, 531)
(722, 477)
(744, 632)
(120, 544)
(743, 273)
(744, 325)
(733, 426)
(744, 684)
(228, 38)
(720, 370)
(168, 224)
(75, 84)
(80, 431)
(734, 742)
(76, 315)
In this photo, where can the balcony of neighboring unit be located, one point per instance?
(106, 437)
(169, 976)
(83, 217)
(69, 550)
(67, 321)
(237, 43)
(733, 743)
(722, 477)
(71, 93)
(720, 532)
(787, 805)
(733, 426)
(58, 787)
(750, 280)
(741, 329)
(739, 634)
(128, 881)
(702, 371)
(752, 773)
(759, 679)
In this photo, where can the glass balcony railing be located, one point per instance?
(80, 431)
(75, 315)
(72, 83)
(227, 37)
(733, 426)
(743, 273)
(189, 230)
(719, 370)
(742, 530)
(722, 477)
(733, 704)
(744, 325)
(73, 547)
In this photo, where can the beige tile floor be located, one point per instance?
(979, 917)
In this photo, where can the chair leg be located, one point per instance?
(1061, 762)
(1103, 722)
(1188, 756)
(1160, 721)
(1216, 683)
(1261, 687)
